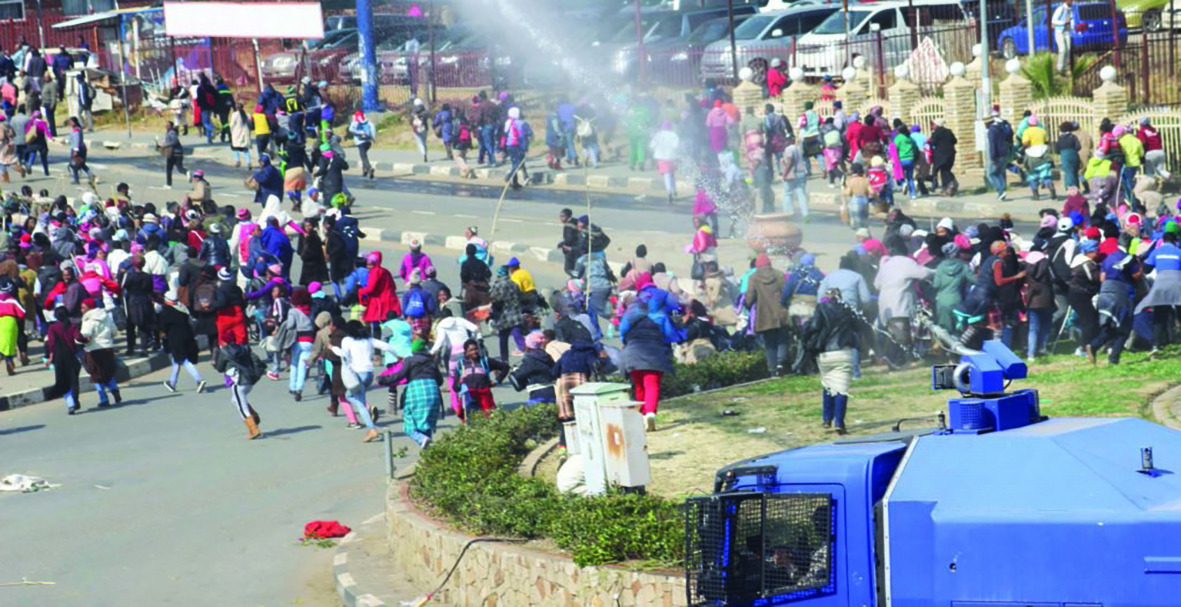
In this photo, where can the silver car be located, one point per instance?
(765, 36)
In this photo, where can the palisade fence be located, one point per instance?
(1146, 66)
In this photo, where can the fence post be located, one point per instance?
(1144, 69)
(881, 67)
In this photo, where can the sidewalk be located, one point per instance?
(614, 177)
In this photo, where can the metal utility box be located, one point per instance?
(611, 437)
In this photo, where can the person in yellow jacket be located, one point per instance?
(262, 130)
(1133, 150)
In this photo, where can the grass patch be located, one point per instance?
(785, 413)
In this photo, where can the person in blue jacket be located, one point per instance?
(269, 180)
(648, 334)
(444, 125)
(275, 241)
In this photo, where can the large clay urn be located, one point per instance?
(774, 234)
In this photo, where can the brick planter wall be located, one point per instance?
(510, 575)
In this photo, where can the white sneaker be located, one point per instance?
(650, 422)
(1079, 352)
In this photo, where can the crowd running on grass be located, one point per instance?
(272, 292)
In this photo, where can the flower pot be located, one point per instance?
(773, 234)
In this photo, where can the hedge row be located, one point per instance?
(470, 477)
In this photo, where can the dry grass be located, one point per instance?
(695, 439)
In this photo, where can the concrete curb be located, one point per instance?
(1165, 407)
(528, 466)
(458, 243)
(360, 576)
(128, 370)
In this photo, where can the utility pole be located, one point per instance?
(640, 59)
(369, 102)
(431, 33)
(733, 43)
(1029, 22)
(40, 27)
(1050, 26)
(848, 47)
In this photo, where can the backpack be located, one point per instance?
(204, 296)
(464, 137)
(49, 276)
(415, 305)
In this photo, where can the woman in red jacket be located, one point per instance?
(380, 295)
(1154, 151)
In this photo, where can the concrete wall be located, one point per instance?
(510, 575)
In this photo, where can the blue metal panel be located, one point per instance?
(1053, 513)
(856, 475)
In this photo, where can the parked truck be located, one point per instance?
(998, 506)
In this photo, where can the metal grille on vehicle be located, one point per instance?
(748, 546)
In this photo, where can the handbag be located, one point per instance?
(697, 271)
(251, 183)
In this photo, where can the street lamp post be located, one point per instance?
(733, 42)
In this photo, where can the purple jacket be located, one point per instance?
(414, 261)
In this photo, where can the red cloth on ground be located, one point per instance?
(317, 530)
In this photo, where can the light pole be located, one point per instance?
(733, 43)
(365, 40)
(1028, 22)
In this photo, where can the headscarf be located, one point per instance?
(1088, 246)
(534, 340)
(950, 249)
(997, 246)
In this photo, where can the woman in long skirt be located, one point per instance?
(176, 325)
(62, 343)
(574, 368)
(12, 315)
(422, 400)
(834, 328)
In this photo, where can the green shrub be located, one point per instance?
(470, 477)
(718, 371)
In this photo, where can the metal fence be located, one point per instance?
(927, 52)
(1146, 66)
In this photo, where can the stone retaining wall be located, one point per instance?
(510, 575)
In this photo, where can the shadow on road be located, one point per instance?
(21, 429)
(286, 431)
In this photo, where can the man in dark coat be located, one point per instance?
(943, 144)
(269, 180)
(340, 261)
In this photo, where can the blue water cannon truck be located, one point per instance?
(997, 506)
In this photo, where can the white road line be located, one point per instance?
(467, 216)
(423, 212)
(507, 220)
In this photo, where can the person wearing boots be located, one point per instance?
(243, 369)
(831, 334)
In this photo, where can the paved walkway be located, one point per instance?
(611, 176)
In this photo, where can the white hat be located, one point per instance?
(215, 228)
(946, 223)
(89, 198)
(150, 218)
(776, 62)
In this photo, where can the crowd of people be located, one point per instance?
(197, 274)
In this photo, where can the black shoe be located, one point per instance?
(827, 424)
(104, 405)
(298, 396)
(841, 430)
(118, 397)
(71, 410)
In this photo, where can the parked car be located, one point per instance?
(679, 61)
(1092, 30)
(658, 26)
(322, 54)
(1150, 15)
(764, 37)
(386, 51)
(825, 51)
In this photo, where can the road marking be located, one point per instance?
(507, 220)
(423, 212)
(99, 167)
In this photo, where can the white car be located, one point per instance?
(826, 51)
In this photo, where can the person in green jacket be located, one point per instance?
(952, 279)
(639, 125)
(907, 150)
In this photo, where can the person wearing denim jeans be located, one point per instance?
(795, 179)
(300, 352)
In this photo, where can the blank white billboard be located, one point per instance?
(244, 20)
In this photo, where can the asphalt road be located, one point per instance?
(164, 502)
